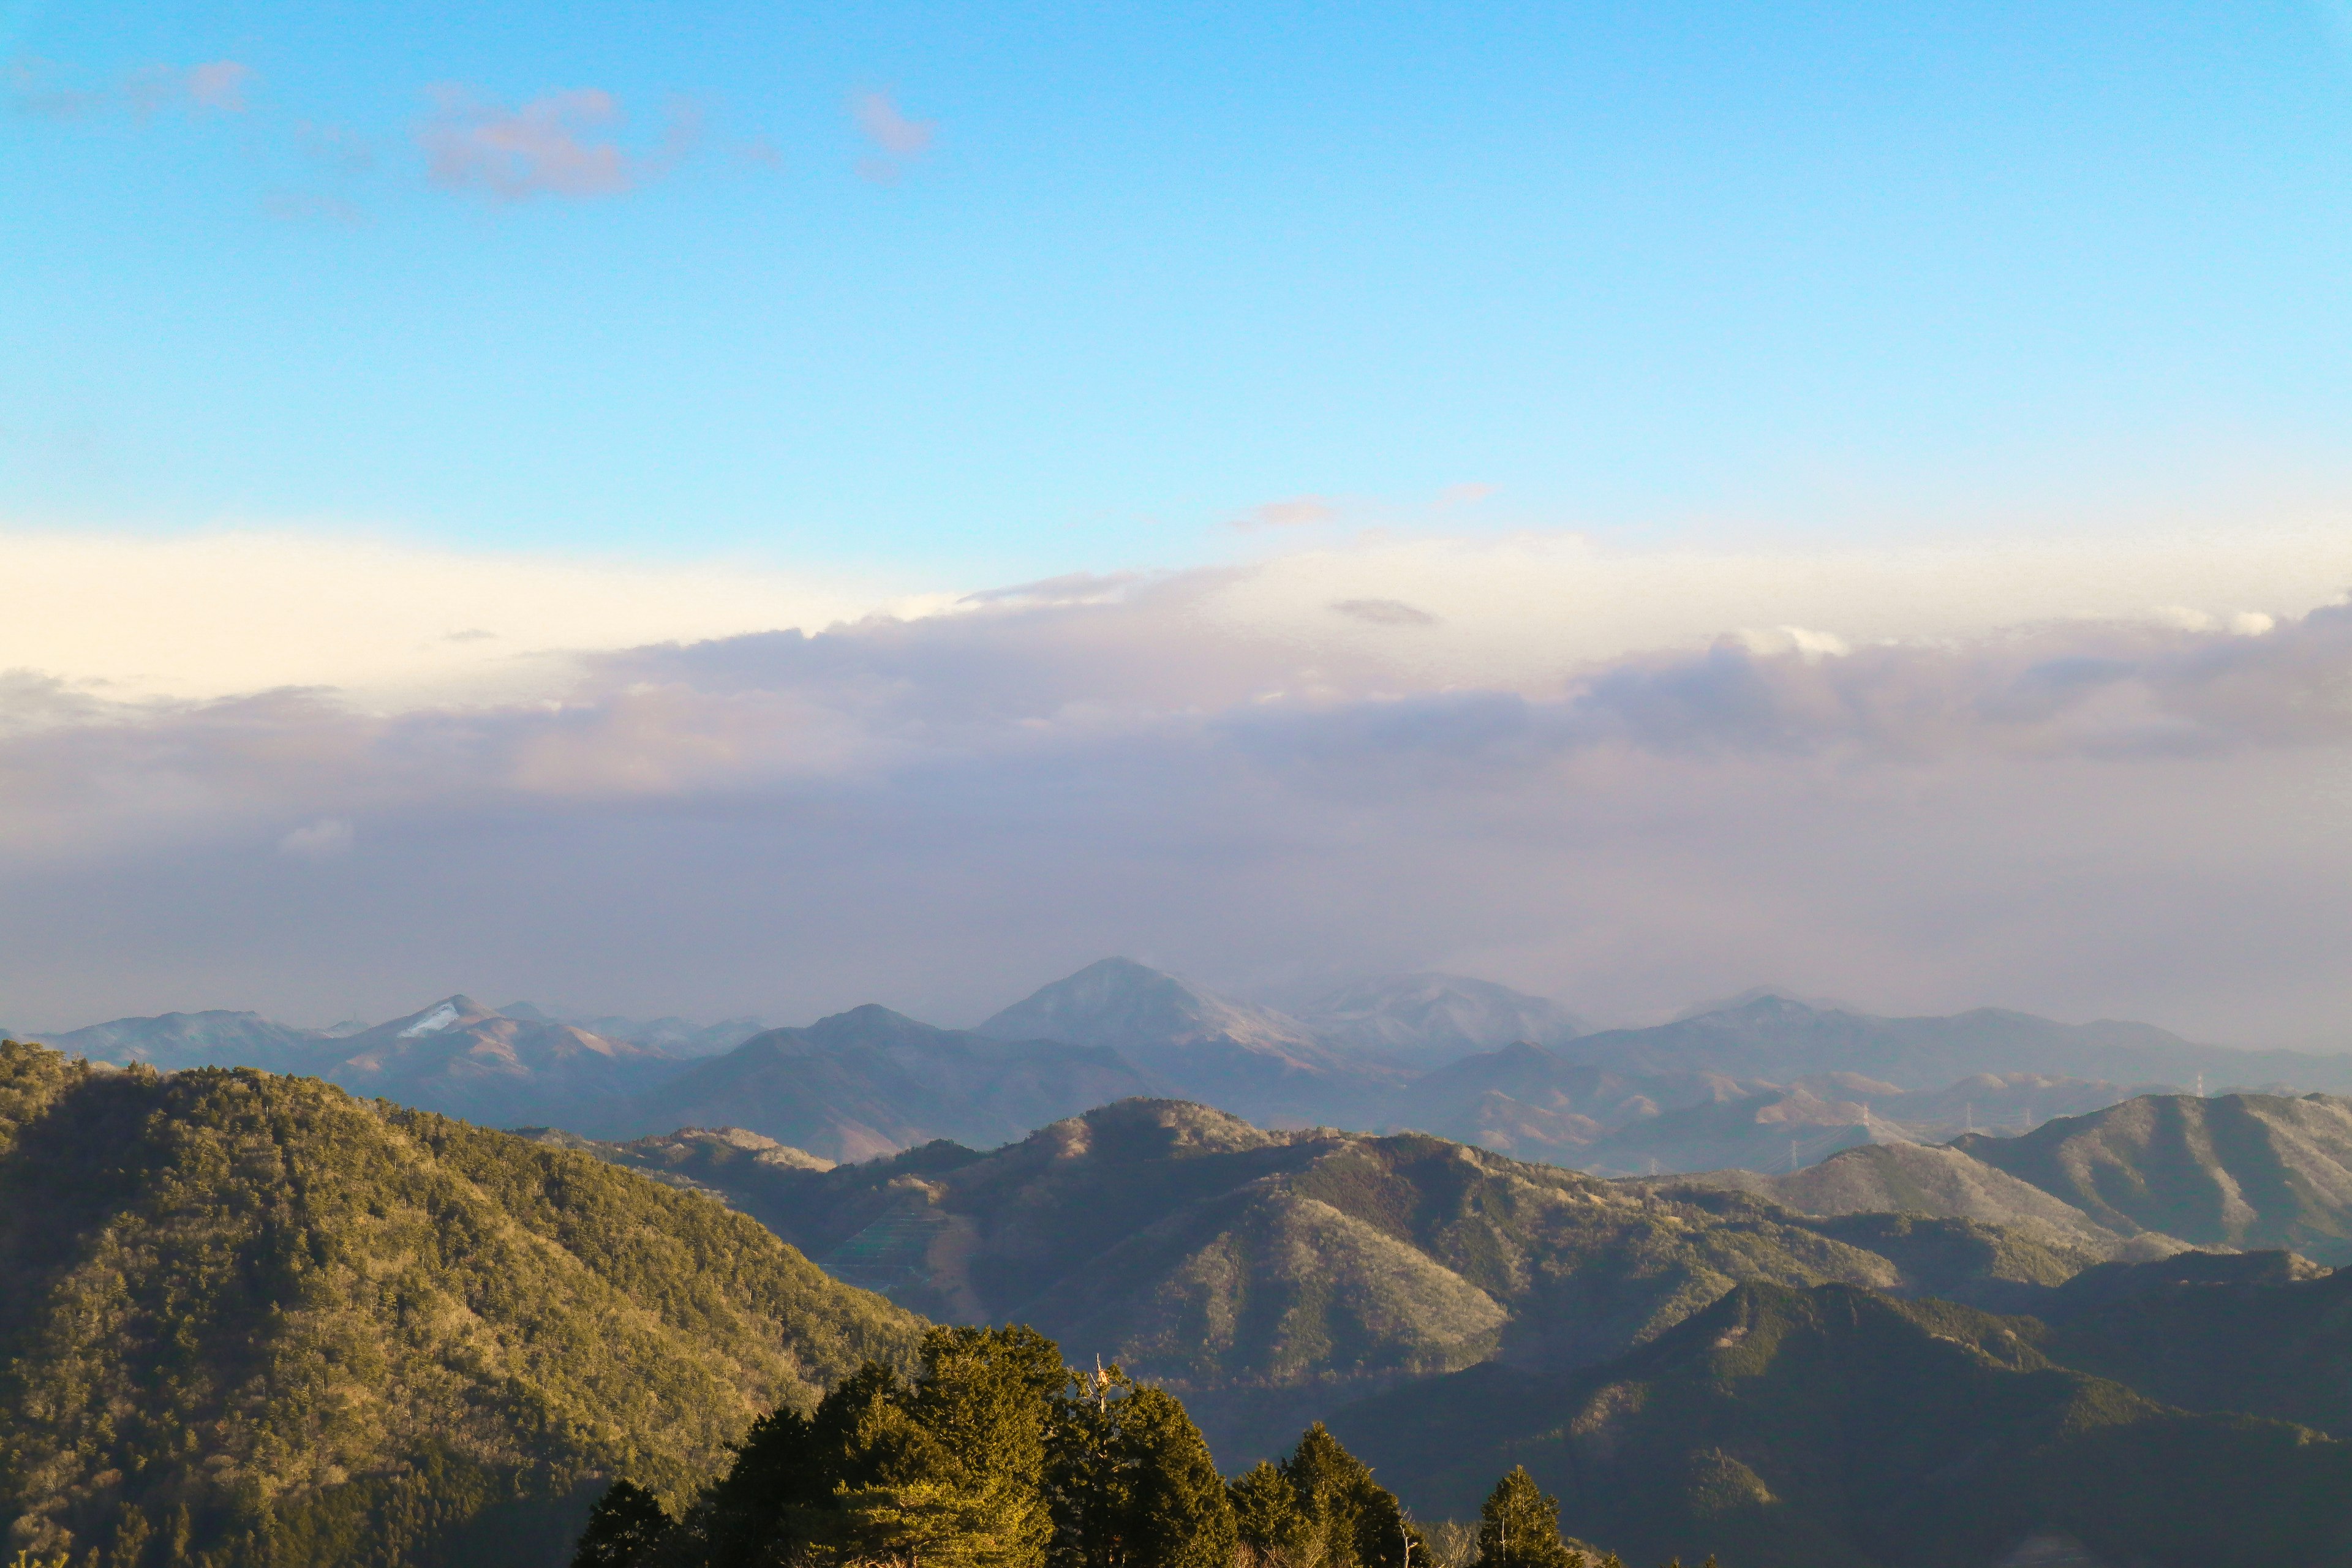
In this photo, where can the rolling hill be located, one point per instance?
(1541, 1104)
(1945, 1183)
(2239, 1171)
(249, 1320)
(1270, 1276)
(173, 1040)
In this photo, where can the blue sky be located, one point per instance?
(1650, 272)
(1630, 501)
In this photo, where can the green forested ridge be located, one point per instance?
(249, 1320)
(1270, 1277)
(1843, 1428)
(2264, 1333)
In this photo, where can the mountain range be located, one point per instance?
(1268, 1275)
(251, 1319)
(1766, 1084)
(870, 1082)
(2154, 1175)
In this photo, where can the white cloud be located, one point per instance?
(2025, 780)
(324, 840)
(219, 613)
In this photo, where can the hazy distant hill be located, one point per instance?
(462, 1060)
(1779, 1041)
(1542, 1104)
(2237, 1171)
(1912, 1178)
(670, 1035)
(175, 1040)
(1251, 1060)
(1426, 1020)
(1267, 1274)
(2150, 1176)
(870, 1081)
(1840, 1428)
(250, 1321)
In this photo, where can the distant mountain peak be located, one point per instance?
(1120, 1002)
(1426, 1017)
(441, 1015)
(1766, 999)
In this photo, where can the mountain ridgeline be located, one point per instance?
(1269, 1276)
(1762, 1083)
(250, 1320)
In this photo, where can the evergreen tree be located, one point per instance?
(1131, 1481)
(622, 1529)
(1178, 1514)
(1321, 1509)
(1519, 1527)
(1267, 1516)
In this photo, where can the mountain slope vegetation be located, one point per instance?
(2237, 1171)
(1942, 1181)
(1269, 1276)
(250, 1319)
(1836, 1427)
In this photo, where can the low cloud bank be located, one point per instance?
(1224, 771)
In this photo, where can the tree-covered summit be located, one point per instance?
(250, 1319)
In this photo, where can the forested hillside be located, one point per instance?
(1269, 1277)
(2231, 1171)
(252, 1320)
(1843, 1428)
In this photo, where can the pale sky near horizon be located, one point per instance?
(706, 507)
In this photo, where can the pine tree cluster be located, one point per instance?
(995, 1455)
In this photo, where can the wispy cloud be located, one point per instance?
(554, 145)
(326, 840)
(898, 139)
(1296, 512)
(214, 87)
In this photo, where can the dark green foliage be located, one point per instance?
(622, 1529)
(1133, 1484)
(2258, 1332)
(1840, 1428)
(252, 1319)
(1320, 1508)
(995, 1456)
(1519, 1527)
(949, 1469)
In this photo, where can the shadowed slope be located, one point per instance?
(1840, 1428)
